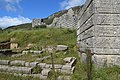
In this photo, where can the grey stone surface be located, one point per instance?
(16, 69)
(98, 28)
(61, 48)
(64, 78)
(33, 64)
(68, 59)
(25, 52)
(42, 65)
(37, 52)
(4, 62)
(48, 66)
(67, 71)
(109, 60)
(58, 66)
(45, 72)
(17, 62)
(17, 55)
(20, 69)
(67, 20)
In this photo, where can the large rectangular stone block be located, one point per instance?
(107, 19)
(106, 51)
(107, 6)
(107, 31)
(106, 42)
(86, 15)
(4, 62)
(106, 60)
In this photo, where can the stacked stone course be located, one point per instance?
(98, 30)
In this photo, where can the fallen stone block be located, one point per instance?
(3, 68)
(64, 78)
(67, 67)
(42, 65)
(58, 66)
(17, 62)
(45, 72)
(68, 59)
(68, 71)
(61, 48)
(15, 69)
(4, 62)
(41, 77)
(33, 64)
(27, 64)
(38, 52)
(17, 55)
(73, 62)
(25, 52)
(48, 66)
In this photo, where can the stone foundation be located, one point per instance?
(98, 30)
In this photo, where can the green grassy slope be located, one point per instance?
(41, 36)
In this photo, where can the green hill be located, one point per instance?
(41, 36)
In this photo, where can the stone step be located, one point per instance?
(4, 62)
(15, 69)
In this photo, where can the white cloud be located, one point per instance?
(12, 1)
(66, 4)
(9, 21)
(10, 5)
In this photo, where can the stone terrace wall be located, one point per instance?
(99, 30)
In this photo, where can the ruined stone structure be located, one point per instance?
(99, 30)
(37, 22)
(66, 18)
(5, 44)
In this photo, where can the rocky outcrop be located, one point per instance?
(65, 18)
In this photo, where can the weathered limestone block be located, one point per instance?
(3, 68)
(68, 71)
(107, 31)
(33, 64)
(42, 65)
(106, 51)
(17, 55)
(64, 78)
(27, 64)
(48, 66)
(73, 62)
(68, 59)
(86, 15)
(106, 60)
(107, 6)
(83, 58)
(61, 48)
(45, 72)
(38, 52)
(58, 66)
(40, 76)
(17, 62)
(20, 70)
(25, 52)
(15, 69)
(4, 62)
(107, 19)
(106, 42)
(87, 34)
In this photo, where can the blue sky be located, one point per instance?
(14, 12)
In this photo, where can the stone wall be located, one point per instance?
(37, 22)
(98, 30)
(66, 19)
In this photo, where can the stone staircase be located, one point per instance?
(23, 68)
